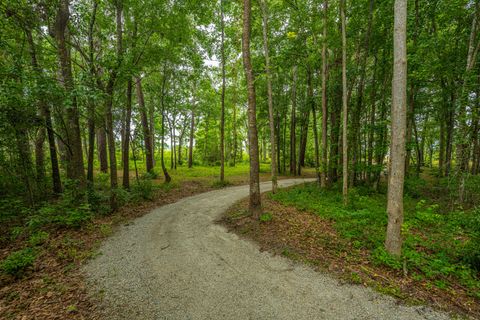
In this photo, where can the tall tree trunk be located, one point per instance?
(235, 138)
(91, 103)
(102, 147)
(357, 114)
(46, 118)
(109, 106)
(222, 114)
(303, 140)
(126, 137)
(255, 202)
(192, 135)
(371, 130)
(75, 166)
(293, 125)
(311, 103)
(396, 176)
(323, 170)
(162, 102)
(271, 121)
(147, 134)
(344, 101)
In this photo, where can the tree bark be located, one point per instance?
(255, 202)
(162, 147)
(75, 166)
(46, 118)
(393, 241)
(293, 138)
(323, 169)
(222, 113)
(344, 102)
(271, 121)
(145, 125)
(126, 137)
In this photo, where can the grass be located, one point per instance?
(438, 244)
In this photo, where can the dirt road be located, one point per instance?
(176, 263)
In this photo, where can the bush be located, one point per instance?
(143, 189)
(471, 254)
(414, 186)
(17, 262)
(61, 215)
(38, 238)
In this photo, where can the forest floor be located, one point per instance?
(311, 226)
(54, 287)
(178, 263)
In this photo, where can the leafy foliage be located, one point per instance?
(18, 261)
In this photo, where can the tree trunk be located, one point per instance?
(311, 103)
(371, 130)
(293, 138)
(46, 117)
(323, 169)
(126, 137)
(393, 241)
(344, 101)
(222, 114)
(271, 121)
(109, 112)
(147, 134)
(162, 102)
(75, 166)
(192, 134)
(255, 202)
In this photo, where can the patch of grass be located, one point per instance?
(439, 247)
(217, 184)
(265, 217)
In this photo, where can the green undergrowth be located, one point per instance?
(441, 247)
(73, 210)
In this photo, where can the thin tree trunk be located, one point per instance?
(147, 134)
(126, 137)
(271, 121)
(222, 114)
(255, 202)
(192, 134)
(311, 102)
(293, 138)
(396, 176)
(46, 117)
(344, 100)
(323, 170)
(102, 148)
(162, 101)
(109, 112)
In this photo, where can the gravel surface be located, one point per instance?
(176, 263)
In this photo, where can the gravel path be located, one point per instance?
(176, 263)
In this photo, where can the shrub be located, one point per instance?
(38, 238)
(471, 254)
(18, 261)
(414, 186)
(143, 189)
(61, 215)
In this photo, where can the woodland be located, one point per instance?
(109, 107)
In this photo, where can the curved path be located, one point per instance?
(176, 263)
